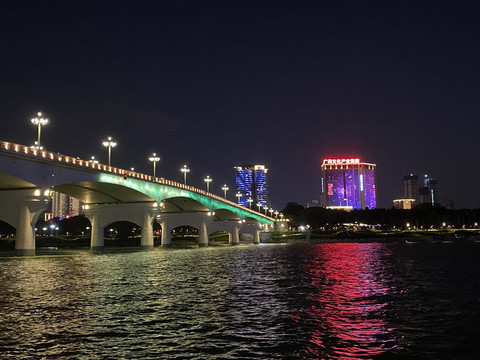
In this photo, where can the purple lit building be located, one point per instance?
(348, 184)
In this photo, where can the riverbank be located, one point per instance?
(72, 242)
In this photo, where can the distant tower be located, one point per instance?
(428, 194)
(252, 184)
(410, 187)
(348, 184)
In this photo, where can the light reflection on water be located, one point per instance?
(245, 302)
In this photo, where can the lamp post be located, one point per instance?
(39, 121)
(238, 195)
(208, 180)
(265, 208)
(154, 158)
(250, 200)
(109, 143)
(276, 214)
(225, 189)
(185, 170)
(271, 212)
(259, 207)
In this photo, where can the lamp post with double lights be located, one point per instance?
(259, 207)
(208, 180)
(250, 200)
(185, 170)
(39, 121)
(265, 208)
(225, 189)
(238, 195)
(109, 143)
(154, 158)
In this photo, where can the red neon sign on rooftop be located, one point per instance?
(349, 161)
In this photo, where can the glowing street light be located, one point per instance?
(265, 208)
(154, 158)
(259, 207)
(238, 195)
(109, 143)
(225, 189)
(185, 170)
(208, 180)
(276, 214)
(271, 212)
(250, 200)
(39, 121)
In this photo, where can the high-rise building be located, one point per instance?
(410, 187)
(348, 184)
(252, 185)
(428, 194)
(63, 205)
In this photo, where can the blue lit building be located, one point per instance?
(348, 184)
(252, 184)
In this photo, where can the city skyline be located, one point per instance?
(284, 85)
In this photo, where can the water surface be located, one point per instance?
(297, 301)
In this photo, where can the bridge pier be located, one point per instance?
(235, 239)
(166, 236)
(21, 209)
(256, 239)
(147, 231)
(203, 234)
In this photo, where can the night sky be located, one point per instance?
(281, 83)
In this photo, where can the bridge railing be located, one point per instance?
(75, 162)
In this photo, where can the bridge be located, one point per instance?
(29, 175)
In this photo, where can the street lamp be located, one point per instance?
(238, 195)
(39, 121)
(185, 170)
(154, 158)
(109, 143)
(225, 189)
(250, 200)
(259, 207)
(265, 208)
(208, 180)
(271, 212)
(276, 214)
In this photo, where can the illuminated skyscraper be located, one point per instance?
(428, 194)
(252, 184)
(348, 184)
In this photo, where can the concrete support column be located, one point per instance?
(97, 241)
(256, 239)
(203, 234)
(235, 236)
(147, 232)
(25, 240)
(166, 237)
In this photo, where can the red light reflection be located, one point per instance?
(349, 284)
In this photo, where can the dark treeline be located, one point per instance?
(421, 217)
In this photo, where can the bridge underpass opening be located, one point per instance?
(7, 236)
(122, 233)
(184, 234)
(219, 238)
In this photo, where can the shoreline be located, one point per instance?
(460, 236)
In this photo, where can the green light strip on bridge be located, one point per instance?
(161, 192)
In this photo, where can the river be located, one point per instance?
(276, 301)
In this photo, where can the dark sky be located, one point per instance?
(281, 83)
